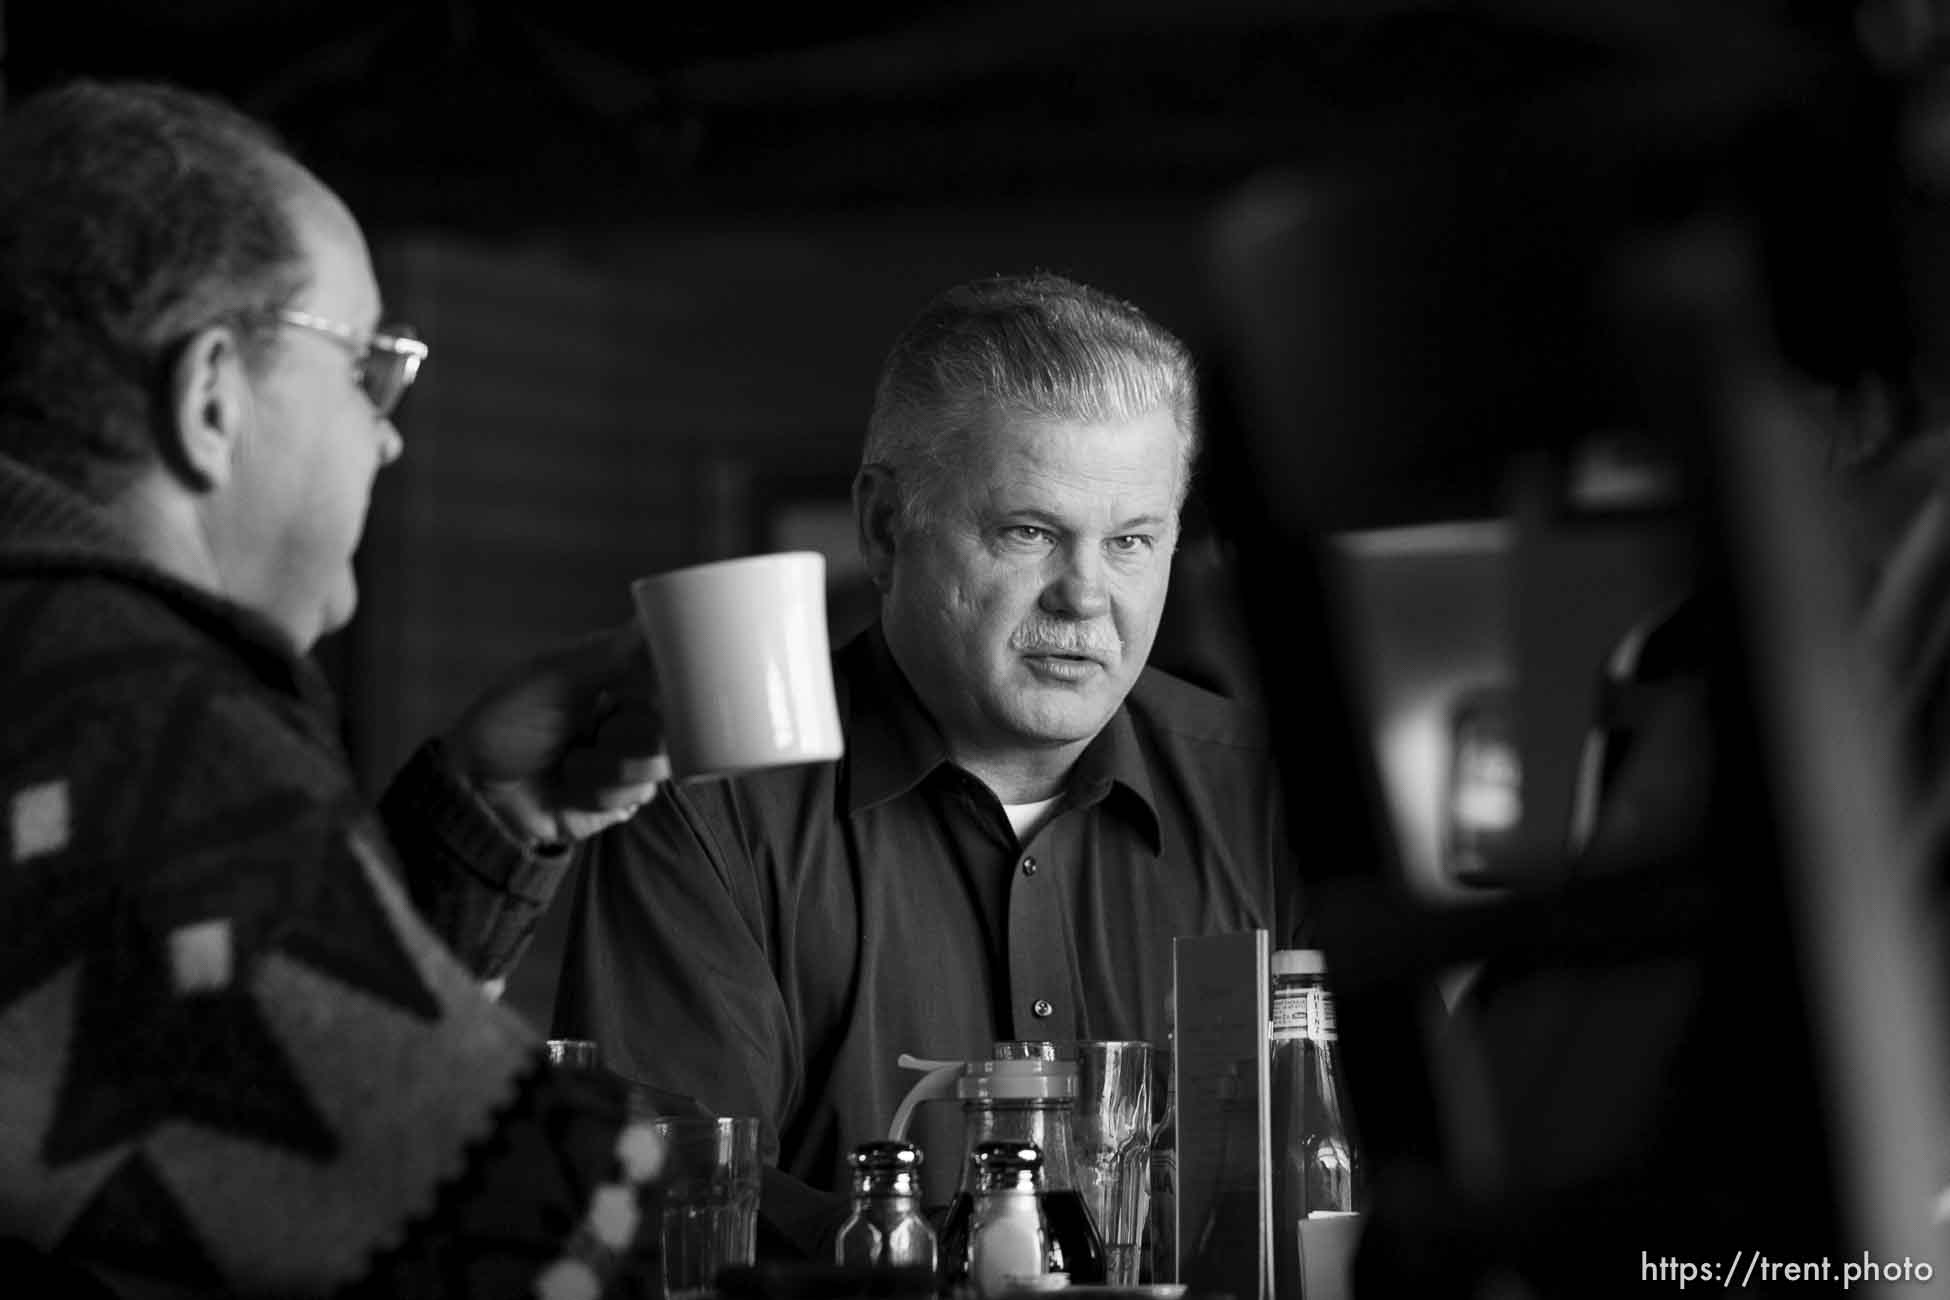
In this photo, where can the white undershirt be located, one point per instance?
(1028, 818)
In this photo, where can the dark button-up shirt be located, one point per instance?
(769, 944)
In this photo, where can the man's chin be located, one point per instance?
(1066, 721)
(337, 611)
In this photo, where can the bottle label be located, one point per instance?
(1289, 1018)
(1320, 1017)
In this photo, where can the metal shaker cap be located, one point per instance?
(1007, 1165)
(886, 1154)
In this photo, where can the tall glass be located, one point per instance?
(709, 1193)
(1111, 1148)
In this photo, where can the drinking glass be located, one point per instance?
(1111, 1148)
(709, 1194)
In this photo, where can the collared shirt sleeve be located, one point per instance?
(669, 969)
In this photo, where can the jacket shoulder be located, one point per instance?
(58, 626)
(101, 678)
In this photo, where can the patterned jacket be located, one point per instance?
(234, 1056)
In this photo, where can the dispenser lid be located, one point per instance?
(1018, 1080)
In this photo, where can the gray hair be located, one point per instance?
(131, 215)
(1024, 347)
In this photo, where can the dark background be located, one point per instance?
(658, 250)
(505, 116)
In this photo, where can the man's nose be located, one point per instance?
(391, 445)
(1079, 588)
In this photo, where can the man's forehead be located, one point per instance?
(1112, 494)
(1133, 450)
(343, 283)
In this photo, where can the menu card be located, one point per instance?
(1220, 986)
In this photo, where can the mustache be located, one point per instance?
(1086, 640)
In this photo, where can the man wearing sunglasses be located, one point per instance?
(235, 1057)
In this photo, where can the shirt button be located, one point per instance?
(1043, 1009)
(1029, 866)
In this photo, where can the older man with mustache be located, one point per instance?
(1026, 815)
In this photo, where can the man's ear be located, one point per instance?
(876, 516)
(209, 403)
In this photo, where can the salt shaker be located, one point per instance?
(887, 1228)
(1008, 1238)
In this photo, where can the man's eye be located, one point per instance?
(1132, 543)
(1025, 533)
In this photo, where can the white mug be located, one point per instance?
(742, 662)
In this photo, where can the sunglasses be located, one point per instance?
(387, 360)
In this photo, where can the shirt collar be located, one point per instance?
(893, 745)
(1112, 770)
(891, 742)
(44, 517)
